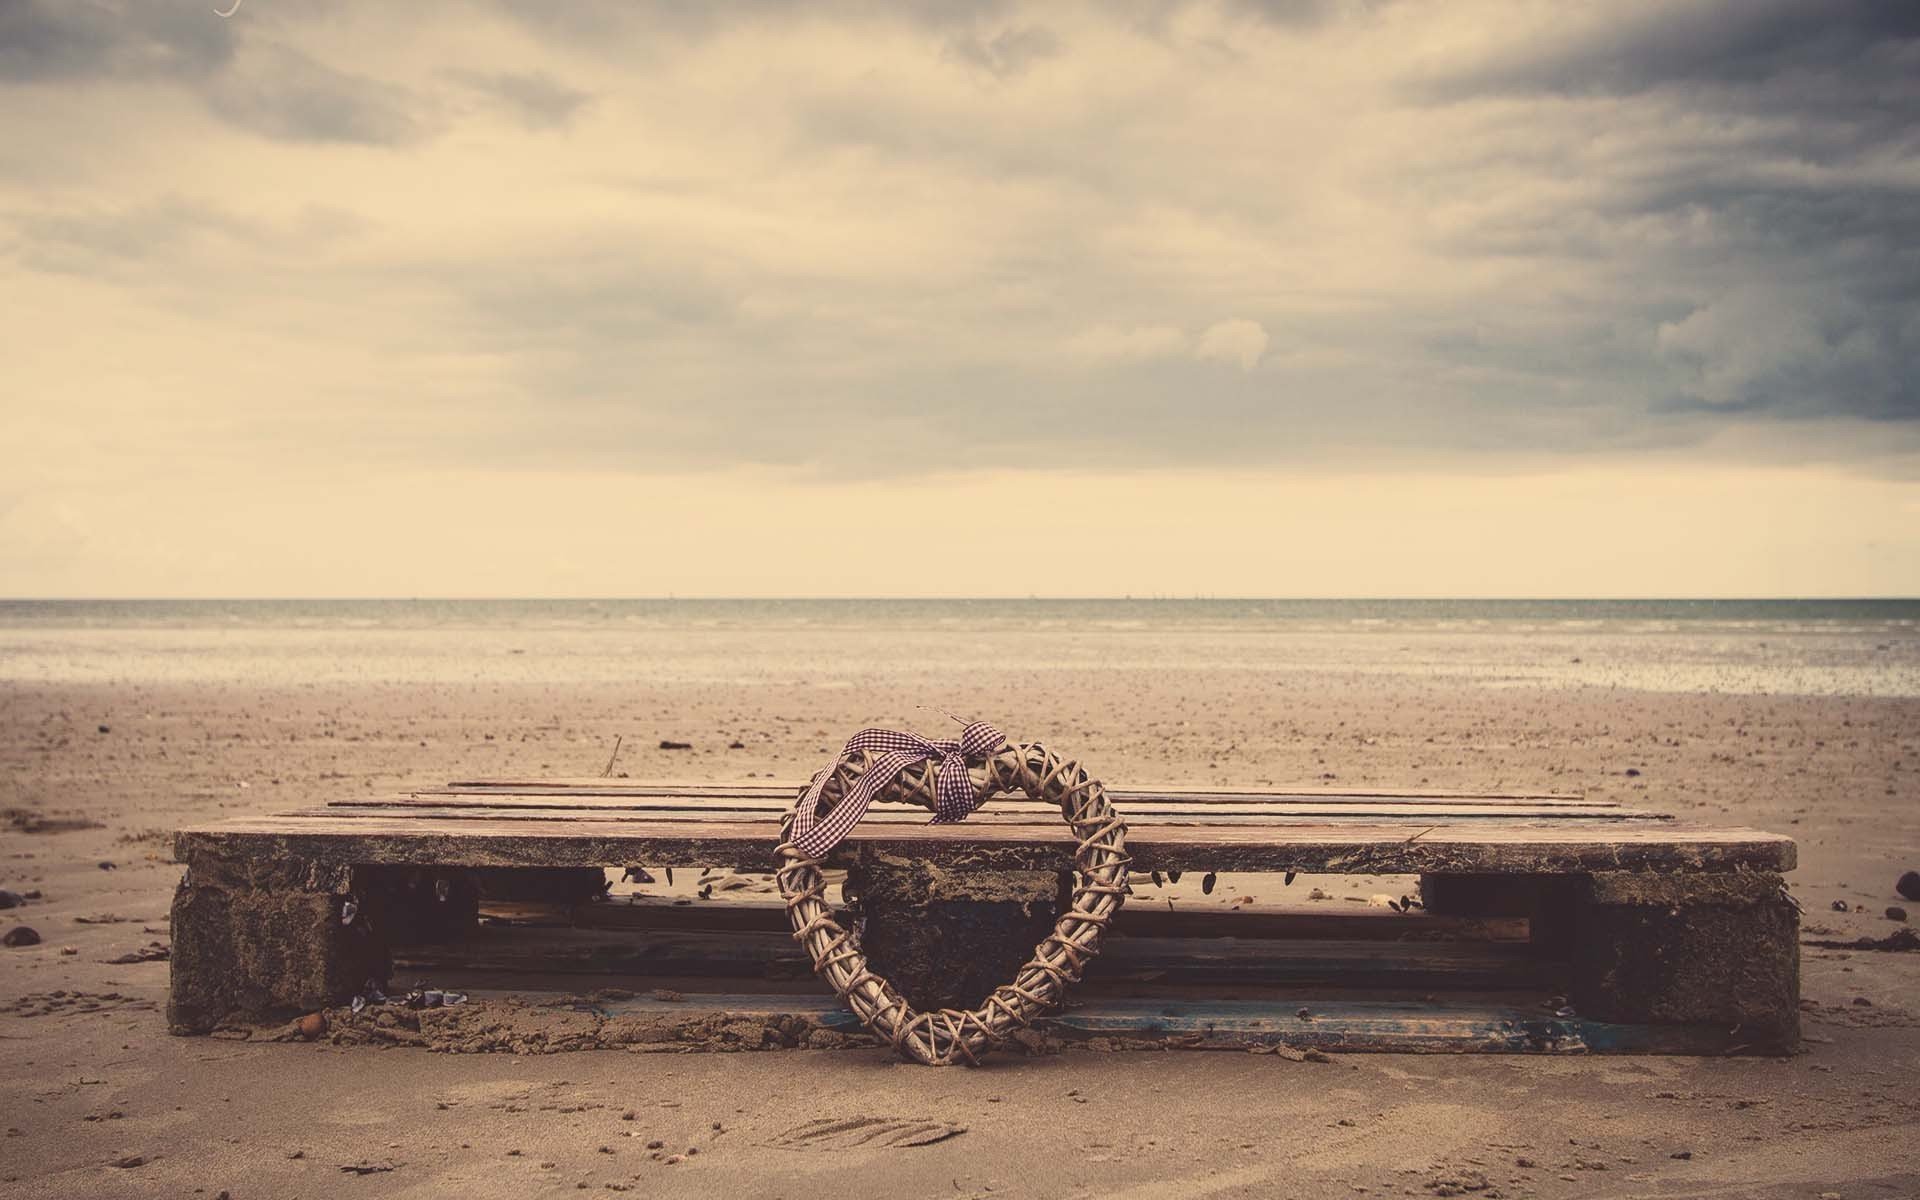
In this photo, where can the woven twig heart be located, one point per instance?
(951, 1036)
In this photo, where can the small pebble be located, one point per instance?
(313, 1025)
(11, 899)
(1681, 1154)
(21, 935)
(1909, 885)
(1841, 906)
(1896, 913)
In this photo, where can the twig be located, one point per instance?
(617, 739)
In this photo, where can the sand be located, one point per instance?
(96, 765)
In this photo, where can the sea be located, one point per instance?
(1863, 647)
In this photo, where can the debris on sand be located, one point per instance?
(668, 745)
(368, 1168)
(151, 952)
(1899, 939)
(27, 820)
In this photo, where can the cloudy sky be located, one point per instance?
(1305, 297)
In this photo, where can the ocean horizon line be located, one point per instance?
(1129, 598)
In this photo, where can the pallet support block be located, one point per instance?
(262, 938)
(1691, 948)
(946, 937)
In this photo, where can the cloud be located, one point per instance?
(852, 237)
(1106, 344)
(51, 40)
(1006, 54)
(536, 100)
(284, 94)
(1237, 341)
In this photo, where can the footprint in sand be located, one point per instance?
(865, 1133)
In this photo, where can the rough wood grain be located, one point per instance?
(769, 808)
(1538, 847)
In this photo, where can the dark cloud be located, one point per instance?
(1309, 14)
(283, 94)
(1005, 54)
(49, 40)
(1736, 179)
(611, 24)
(244, 76)
(536, 101)
(1705, 42)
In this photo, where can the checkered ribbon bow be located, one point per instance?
(953, 789)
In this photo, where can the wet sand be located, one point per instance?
(92, 1079)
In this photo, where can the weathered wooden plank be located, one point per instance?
(1551, 847)
(1001, 807)
(614, 788)
(1339, 1026)
(1026, 813)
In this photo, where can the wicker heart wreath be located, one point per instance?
(952, 778)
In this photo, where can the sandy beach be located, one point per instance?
(112, 737)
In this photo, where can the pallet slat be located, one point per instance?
(1545, 847)
(1028, 815)
(1341, 1026)
(615, 788)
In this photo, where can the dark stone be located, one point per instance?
(1719, 949)
(21, 935)
(11, 899)
(667, 745)
(1909, 886)
(1896, 913)
(947, 937)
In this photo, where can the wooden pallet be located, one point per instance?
(1658, 935)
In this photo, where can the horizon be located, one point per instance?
(958, 599)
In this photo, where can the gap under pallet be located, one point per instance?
(1221, 960)
(1141, 918)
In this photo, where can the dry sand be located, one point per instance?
(99, 1101)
